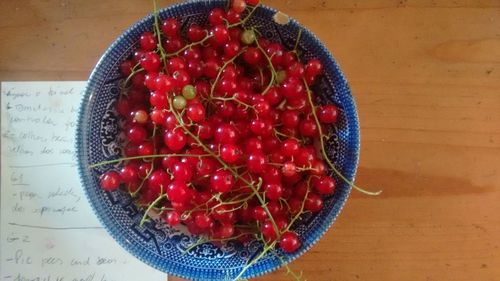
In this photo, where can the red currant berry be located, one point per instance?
(148, 41)
(273, 191)
(327, 114)
(170, 27)
(225, 133)
(314, 203)
(216, 16)
(289, 242)
(222, 181)
(178, 191)
(175, 140)
(182, 172)
(324, 185)
(195, 33)
(256, 163)
(290, 147)
(110, 181)
(230, 153)
(151, 62)
(196, 112)
(173, 218)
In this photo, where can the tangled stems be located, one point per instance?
(267, 248)
(323, 150)
(226, 167)
(151, 206)
(217, 78)
(243, 21)
(144, 157)
(169, 55)
(271, 67)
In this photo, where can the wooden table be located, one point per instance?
(426, 78)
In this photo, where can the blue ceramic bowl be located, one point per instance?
(159, 245)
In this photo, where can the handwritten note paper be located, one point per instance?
(48, 231)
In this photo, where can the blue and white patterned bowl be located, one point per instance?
(159, 245)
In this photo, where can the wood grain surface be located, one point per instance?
(426, 78)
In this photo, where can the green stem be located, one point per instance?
(256, 259)
(297, 41)
(271, 68)
(243, 21)
(212, 89)
(169, 55)
(227, 167)
(158, 34)
(157, 200)
(143, 157)
(323, 151)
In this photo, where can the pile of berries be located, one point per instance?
(222, 134)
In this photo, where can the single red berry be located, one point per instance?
(314, 203)
(308, 128)
(230, 153)
(210, 69)
(182, 172)
(225, 133)
(231, 49)
(289, 242)
(271, 175)
(129, 173)
(327, 114)
(324, 185)
(233, 17)
(222, 181)
(178, 191)
(176, 63)
(289, 169)
(175, 140)
(170, 27)
(256, 162)
(290, 118)
(144, 169)
(136, 134)
(195, 33)
(268, 231)
(216, 16)
(252, 56)
(273, 191)
(259, 214)
(296, 70)
(196, 112)
(110, 181)
(148, 41)
(173, 218)
(220, 35)
(151, 62)
(314, 67)
(145, 149)
(158, 180)
(173, 44)
(203, 220)
(253, 145)
(290, 147)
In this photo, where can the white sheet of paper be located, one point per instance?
(47, 229)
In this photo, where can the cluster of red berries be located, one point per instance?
(221, 130)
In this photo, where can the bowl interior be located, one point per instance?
(159, 245)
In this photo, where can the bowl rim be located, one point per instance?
(353, 125)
